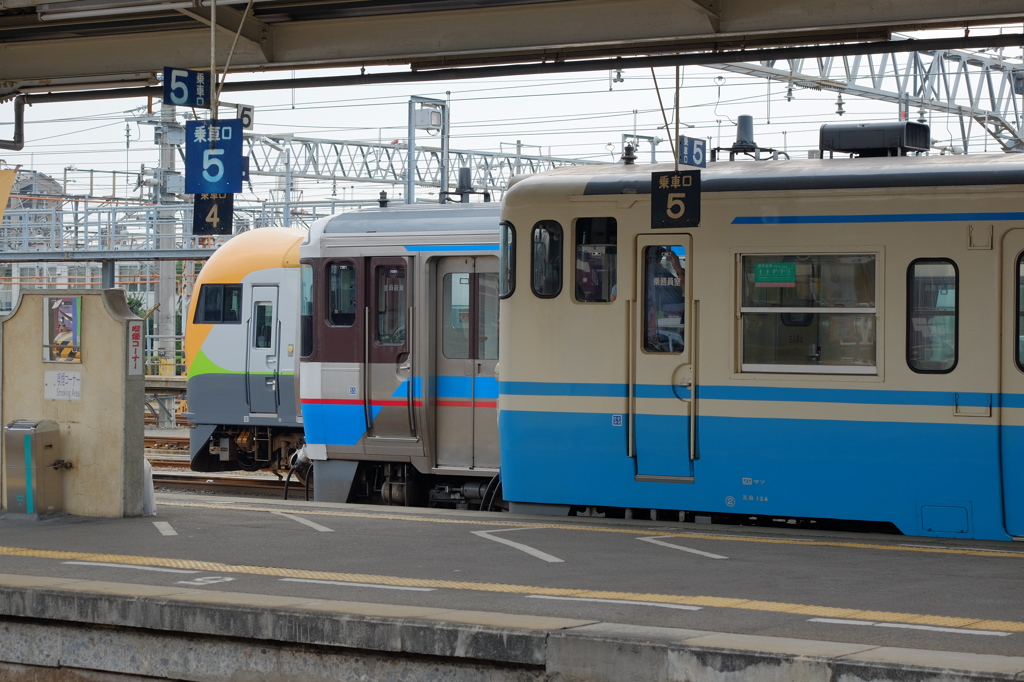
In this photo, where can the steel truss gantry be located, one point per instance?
(286, 156)
(975, 87)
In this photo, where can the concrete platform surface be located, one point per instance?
(217, 588)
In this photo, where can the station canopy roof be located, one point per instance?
(87, 44)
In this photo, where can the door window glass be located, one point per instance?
(932, 316)
(809, 313)
(664, 298)
(595, 259)
(1020, 312)
(341, 294)
(391, 305)
(263, 325)
(456, 316)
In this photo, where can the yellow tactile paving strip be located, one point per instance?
(688, 600)
(716, 602)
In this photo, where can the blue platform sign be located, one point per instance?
(186, 88)
(691, 152)
(213, 157)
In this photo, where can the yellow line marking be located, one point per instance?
(689, 600)
(626, 531)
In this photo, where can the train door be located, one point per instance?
(662, 375)
(264, 341)
(1012, 419)
(389, 391)
(467, 355)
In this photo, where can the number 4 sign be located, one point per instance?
(213, 214)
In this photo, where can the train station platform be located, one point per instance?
(219, 588)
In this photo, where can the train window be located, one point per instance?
(664, 300)
(219, 303)
(341, 294)
(507, 260)
(391, 305)
(1020, 313)
(546, 259)
(306, 311)
(932, 319)
(263, 325)
(455, 325)
(595, 259)
(809, 314)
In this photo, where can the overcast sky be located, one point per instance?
(580, 115)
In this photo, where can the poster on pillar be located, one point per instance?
(213, 214)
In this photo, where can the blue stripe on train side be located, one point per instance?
(345, 424)
(873, 218)
(767, 393)
(871, 471)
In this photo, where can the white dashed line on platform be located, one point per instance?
(660, 541)
(543, 556)
(909, 626)
(164, 528)
(305, 522)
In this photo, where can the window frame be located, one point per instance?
(752, 369)
(956, 313)
(611, 223)
(329, 279)
(506, 260)
(200, 315)
(559, 253)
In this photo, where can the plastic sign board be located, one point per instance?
(186, 88)
(245, 112)
(692, 152)
(213, 157)
(213, 214)
(675, 199)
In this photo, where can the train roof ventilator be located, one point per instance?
(897, 138)
(745, 145)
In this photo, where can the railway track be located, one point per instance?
(222, 483)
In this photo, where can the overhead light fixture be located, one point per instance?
(59, 11)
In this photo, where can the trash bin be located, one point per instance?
(33, 463)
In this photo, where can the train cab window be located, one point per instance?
(546, 259)
(306, 310)
(341, 294)
(812, 314)
(219, 304)
(391, 305)
(263, 325)
(595, 259)
(664, 299)
(932, 319)
(507, 260)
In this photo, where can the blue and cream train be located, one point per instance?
(838, 339)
